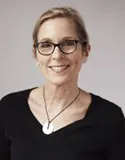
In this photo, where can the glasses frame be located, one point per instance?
(59, 46)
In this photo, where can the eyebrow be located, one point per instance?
(45, 39)
(68, 38)
(63, 39)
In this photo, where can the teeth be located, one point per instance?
(58, 69)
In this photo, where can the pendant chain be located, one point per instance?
(49, 121)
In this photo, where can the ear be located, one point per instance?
(86, 53)
(87, 50)
(34, 55)
(34, 52)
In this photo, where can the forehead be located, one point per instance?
(57, 29)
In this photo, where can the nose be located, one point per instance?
(57, 54)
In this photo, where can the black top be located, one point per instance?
(99, 136)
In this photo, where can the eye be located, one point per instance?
(68, 43)
(45, 45)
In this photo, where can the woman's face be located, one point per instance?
(60, 68)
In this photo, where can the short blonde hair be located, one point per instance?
(65, 12)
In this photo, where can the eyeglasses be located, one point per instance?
(66, 47)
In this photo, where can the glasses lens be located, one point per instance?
(45, 48)
(68, 46)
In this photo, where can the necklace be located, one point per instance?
(48, 127)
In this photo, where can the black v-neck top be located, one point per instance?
(99, 136)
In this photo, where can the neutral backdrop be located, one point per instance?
(103, 74)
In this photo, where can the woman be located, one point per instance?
(59, 120)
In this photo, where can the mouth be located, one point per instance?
(59, 68)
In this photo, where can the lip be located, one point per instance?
(59, 65)
(59, 68)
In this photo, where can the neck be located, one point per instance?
(60, 96)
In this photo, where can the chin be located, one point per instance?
(59, 81)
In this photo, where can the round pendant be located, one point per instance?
(48, 128)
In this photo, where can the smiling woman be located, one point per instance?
(59, 120)
(59, 55)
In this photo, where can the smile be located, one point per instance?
(59, 69)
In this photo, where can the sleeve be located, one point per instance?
(117, 143)
(4, 141)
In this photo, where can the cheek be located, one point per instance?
(77, 65)
(42, 62)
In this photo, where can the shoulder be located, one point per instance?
(106, 110)
(14, 98)
(17, 94)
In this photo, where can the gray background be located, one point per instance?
(103, 74)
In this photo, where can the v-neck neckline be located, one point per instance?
(66, 129)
